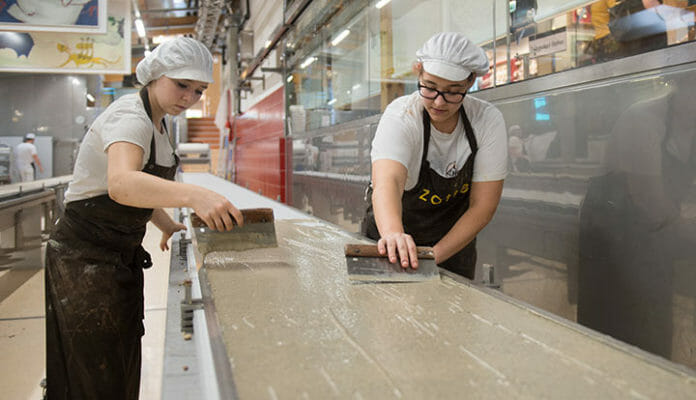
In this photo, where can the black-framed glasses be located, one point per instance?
(432, 93)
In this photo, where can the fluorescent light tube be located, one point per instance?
(140, 27)
(307, 62)
(340, 37)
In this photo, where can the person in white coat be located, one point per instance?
(27, 159)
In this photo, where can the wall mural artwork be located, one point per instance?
(107, 53)
(86, 16)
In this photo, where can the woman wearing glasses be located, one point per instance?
(439, 158)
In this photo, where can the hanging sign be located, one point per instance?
(550, 44)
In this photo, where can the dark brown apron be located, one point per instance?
(435, 204)
(94, 295)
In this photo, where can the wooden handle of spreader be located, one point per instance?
(370, 250)
(251, 216)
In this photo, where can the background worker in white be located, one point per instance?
(25, 155)
(439, 158)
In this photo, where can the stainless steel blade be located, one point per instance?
(379, 269)
(249, 236)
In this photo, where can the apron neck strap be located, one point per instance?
(146, 102)
(148, 109)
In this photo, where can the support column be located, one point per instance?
(389, 91)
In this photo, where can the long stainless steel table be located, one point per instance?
(287, 323)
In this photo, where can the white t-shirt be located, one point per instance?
(24, 155)
(125, 120)
(399, 137)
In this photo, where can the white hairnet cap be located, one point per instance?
(180, 58)
(450, 55)
(29, 136)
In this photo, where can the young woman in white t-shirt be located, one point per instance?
(439, 159)
(123, 178)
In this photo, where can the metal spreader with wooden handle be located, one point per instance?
(365, 264)
(258, 231)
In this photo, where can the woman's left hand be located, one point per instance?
(167, 233)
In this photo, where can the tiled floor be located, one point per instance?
(22, 329)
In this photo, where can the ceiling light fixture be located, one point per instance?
(338, 39)
(382, 3)
(140, 27)
(308, 62)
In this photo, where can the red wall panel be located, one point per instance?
(260, 150)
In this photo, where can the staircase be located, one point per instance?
(203, 130)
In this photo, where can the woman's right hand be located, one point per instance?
(216, 211)
(400, 247)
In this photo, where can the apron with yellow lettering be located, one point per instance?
(432, 207)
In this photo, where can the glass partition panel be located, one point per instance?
(327, 74)
(349, 87)
(392, 64)
(629, 28)
(348, 60)
(541, 37)
(600, 196)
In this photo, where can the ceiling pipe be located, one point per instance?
(208, 18)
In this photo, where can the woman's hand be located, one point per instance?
(216, 211)
(168, 232)
(399, 246)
